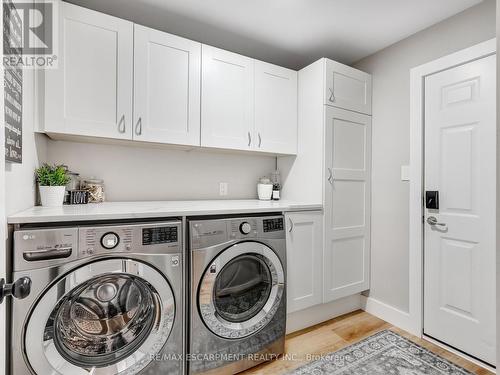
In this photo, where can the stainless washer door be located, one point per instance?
(241, 290)
(107, 317)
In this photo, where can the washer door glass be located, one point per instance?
(106, 318)
(242, 288)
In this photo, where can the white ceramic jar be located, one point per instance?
(265, 191)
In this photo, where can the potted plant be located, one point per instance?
(52, 180)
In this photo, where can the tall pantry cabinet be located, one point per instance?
(333, 167)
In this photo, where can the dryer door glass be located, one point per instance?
(242, 288)
(105, 319)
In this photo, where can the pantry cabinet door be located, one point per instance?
(167, 72)
(227, 100)
(304, 249)
(90, 93)
(347, 203)
(275, 109)
(347, 88)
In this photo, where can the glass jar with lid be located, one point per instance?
(95, 188)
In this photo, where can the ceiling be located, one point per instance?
(291, 33)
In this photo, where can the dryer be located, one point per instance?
(104, 299)
(237, 294)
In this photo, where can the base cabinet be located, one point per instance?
(304, 241)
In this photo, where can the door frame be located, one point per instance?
(3, 229)
(417, 103)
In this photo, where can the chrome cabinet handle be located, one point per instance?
(121, 124)
(260, 140)
(291, 225)
(138, 127)
(431, 220)
(332, 96)
(249, 139)
(330, 176)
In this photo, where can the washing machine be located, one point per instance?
(237, 295)
(100, 299)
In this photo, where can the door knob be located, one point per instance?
(19, 289)
(431, 220)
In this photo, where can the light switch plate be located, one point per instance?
(405, 173)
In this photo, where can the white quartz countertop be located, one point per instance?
(154, 209)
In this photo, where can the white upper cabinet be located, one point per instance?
(167, 72)
(124, 81)
(275, 109)
(304, 251)
(347, 88)
(90, 93)
(227, 100)
(347, 203)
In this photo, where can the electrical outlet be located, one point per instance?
(223, 187)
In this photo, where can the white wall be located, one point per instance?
(148, 173)
(20, 180)
(391, 86)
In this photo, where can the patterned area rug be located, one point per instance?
(385, 353)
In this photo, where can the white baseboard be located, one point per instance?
(390, 314)
(320, 313)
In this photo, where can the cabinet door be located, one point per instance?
(347, 203)
(275, 109)
(90, 93)
(304, 244)
(227, 100)
(167, 72)
(347, 88)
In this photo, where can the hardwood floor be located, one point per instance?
(338, 333)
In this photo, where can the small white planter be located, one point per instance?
(265, 191)
(52, 196)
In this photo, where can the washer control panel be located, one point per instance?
(151, 238)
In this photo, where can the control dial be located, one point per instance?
(110, 240)
(245, 227)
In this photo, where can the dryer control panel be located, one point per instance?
(205, 233)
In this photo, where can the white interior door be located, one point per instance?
(167, 72)
(459, 254)
(346, 267)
